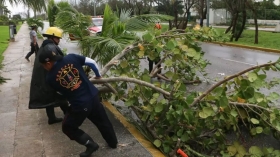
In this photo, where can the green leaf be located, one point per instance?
(146, 78)
(253, 131)
(191, 52)
(277, 65)
(241, 151)
(180, 132)
(249, 93)
(158, 108)
(152, 101)
(223, 101)
(148, 108)
(184, 47)
(190, 99)
(218, 91)
(233, 113)
(148, 37)
(273, 96)
(171, 44)
(157, 143)
(255, 121)
(252, 77)
(159, 49)
(259, 129)
(140, 54)
(155, 95)
(123, 63)
(185, 137)
(231, 150)
(169, 74)
(262, 76)
(267, 151)
(175, 51)
(168, 62)
(244, 84)
(197, 56)
(254, 150)
(206, 112)
(177, 57)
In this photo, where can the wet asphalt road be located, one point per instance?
(231, 60)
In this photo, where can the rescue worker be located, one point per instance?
(157, 59)
(33, 42)
(157, 26)
(41, 94)
(66, 75)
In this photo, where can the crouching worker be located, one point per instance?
(66, 75)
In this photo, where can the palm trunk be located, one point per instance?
(244, 15)
(229, 28)
(234, 26)
(256, 30)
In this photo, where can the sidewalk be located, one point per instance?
(25, 132)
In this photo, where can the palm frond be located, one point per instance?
(142, 22)
(125, 15)
(73, 22)
(93, 46)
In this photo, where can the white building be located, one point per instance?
(277, 2)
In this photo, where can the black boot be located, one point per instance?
(52, 118)
(86, 140)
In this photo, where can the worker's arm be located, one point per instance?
(93, 65)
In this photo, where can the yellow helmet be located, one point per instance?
(53, 31)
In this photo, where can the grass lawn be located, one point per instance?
(266, 39)
(4, 39)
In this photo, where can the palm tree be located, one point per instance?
(36, 5)
(4, 10)
(118, 31)
(72, 21)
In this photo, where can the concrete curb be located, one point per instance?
(134, 131)
(246, 47)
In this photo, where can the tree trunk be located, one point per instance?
(256, 28)
(201, 22)
(170, 24)
(185, 25)
(229, 28)
(201, 12)
(234, 26)
(244, 15)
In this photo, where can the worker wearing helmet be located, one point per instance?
(41, 95)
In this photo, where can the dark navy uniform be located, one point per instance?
(67, 76)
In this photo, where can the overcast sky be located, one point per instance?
(16, 9)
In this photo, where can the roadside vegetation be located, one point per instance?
(266, 39)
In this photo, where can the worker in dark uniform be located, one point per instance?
(41, 94)
(66, 75)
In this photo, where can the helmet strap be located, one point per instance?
(52, 38)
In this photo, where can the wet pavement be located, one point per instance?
(25, 132)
